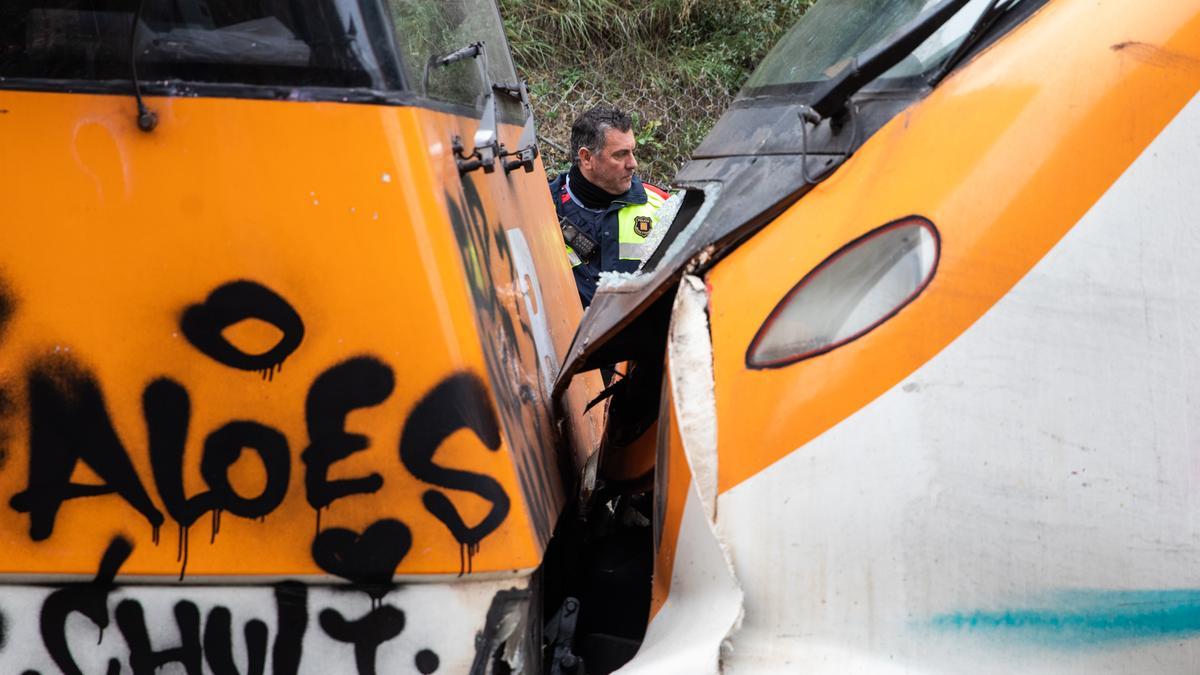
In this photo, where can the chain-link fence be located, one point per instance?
(670, 119)
(672, 64)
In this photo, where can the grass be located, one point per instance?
(674, 63)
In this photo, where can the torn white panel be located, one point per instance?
(690, 350)
(704, 605)
(626, 281)
(615, 280)
(712, 190)
(665, 218)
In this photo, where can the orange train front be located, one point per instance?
(275, 335)
(931, 374)
(283, 308)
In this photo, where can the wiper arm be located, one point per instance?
(833, 94)
(471, 51)
(994, 10)
(147, 119)
(487, 135)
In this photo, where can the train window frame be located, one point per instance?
(387, 84)
(417, 60)
(199, 44)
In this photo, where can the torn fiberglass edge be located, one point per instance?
(691, 631)
(620, 282)
(667, 214)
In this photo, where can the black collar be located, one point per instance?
(589, 194)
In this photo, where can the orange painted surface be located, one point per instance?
(634, 463)
(672, 493)
(1004, 157)
(344, 212)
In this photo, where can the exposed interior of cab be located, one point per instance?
(276, 42)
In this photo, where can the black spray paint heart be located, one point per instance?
(370, 558)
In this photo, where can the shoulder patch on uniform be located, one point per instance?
(565, 197)
(642, 225)
(656, 190)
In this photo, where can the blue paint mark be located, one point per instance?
(1088, 618)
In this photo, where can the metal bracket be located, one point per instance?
(524, 158)
(469, 162)
(560, 636)
(527, 149)
(486, 140)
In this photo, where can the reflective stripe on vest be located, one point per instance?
(634, 224)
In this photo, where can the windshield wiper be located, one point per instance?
(830, 99)
(147, 119)
(994, 10)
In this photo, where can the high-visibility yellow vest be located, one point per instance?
(635, 222)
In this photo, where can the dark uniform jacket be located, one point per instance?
(618, 231)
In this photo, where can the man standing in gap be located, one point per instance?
(605, 212)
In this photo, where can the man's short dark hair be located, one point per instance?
(589, 128)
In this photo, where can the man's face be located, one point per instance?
(612, 168)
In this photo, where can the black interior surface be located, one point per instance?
(273, 42)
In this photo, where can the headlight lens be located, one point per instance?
(863, 284)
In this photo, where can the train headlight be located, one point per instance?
(863, 284)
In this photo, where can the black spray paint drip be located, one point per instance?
(216, 526)
(181, 550)
(369, 560)
(232, 303)
(167, 409)
(268, 374)
(458, 402)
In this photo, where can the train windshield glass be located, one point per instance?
(429, 29)
(833, 32)
(330, 43)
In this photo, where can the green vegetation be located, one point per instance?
(675, 64)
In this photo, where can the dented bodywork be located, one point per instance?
(353, 420)
(275, 369)
(993, 475)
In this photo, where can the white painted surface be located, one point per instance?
(1040, 466)
(441, 618)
